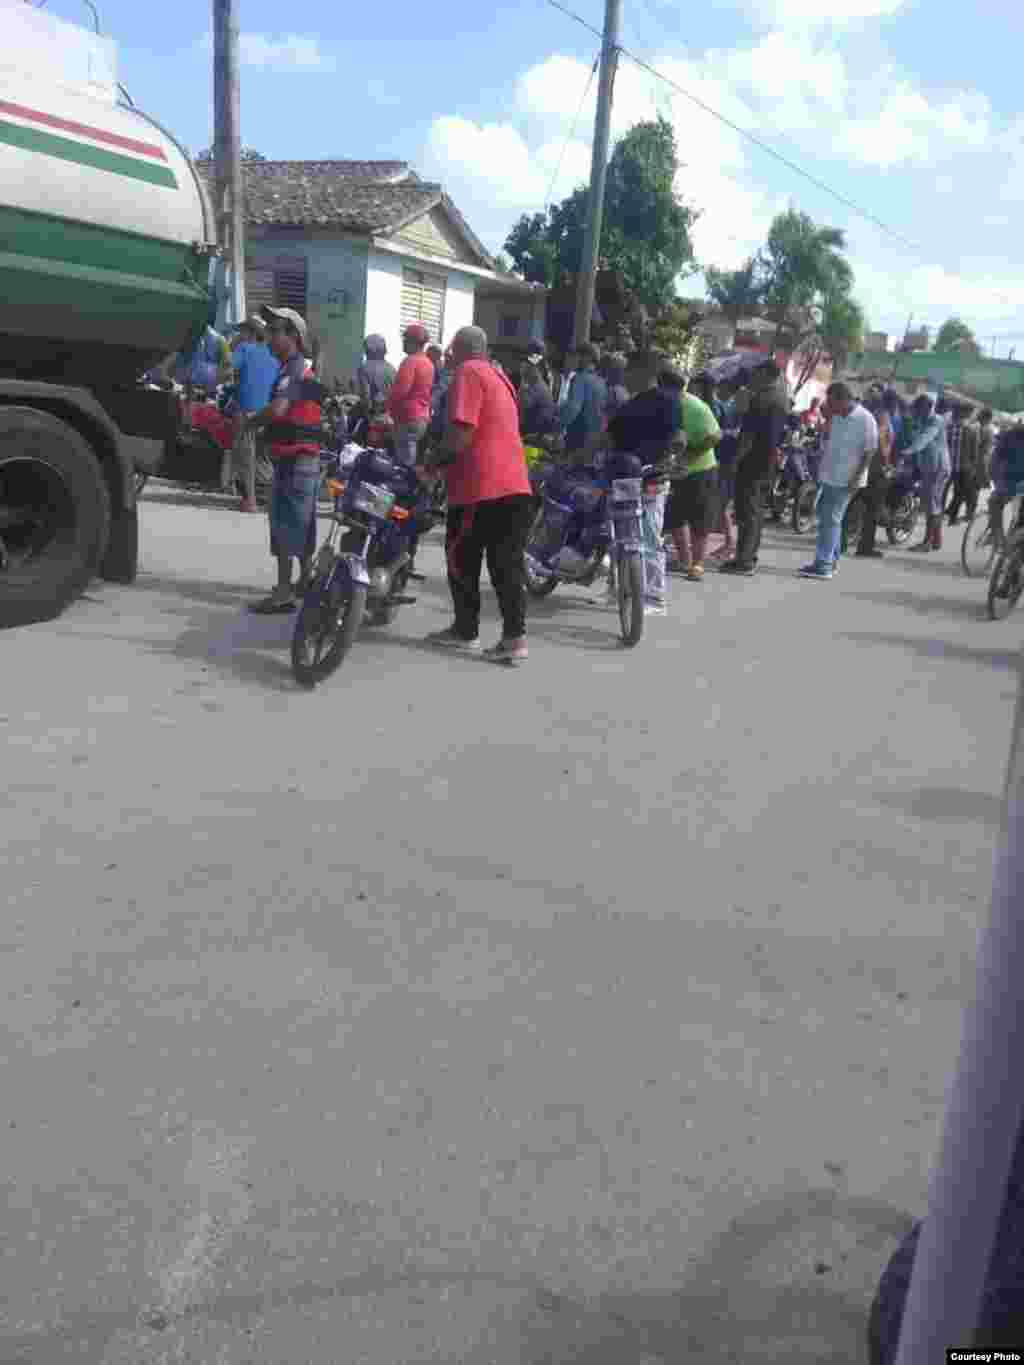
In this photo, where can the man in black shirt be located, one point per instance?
(761, 436)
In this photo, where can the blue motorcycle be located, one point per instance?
(362, 568)
(587, 515)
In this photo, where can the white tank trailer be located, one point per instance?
(106, 239)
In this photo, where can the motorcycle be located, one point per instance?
(794, 488)
(589, 514)
(540, 453)
(363, 567)
(901, 508)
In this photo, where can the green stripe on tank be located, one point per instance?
(84, 154)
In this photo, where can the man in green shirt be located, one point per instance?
(693, 502)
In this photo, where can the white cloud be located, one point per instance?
(289, 52)
(801, 83)
(494, 172)
(812, 14)
(987, 293)
(909, 129)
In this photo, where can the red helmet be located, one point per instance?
(417, 332)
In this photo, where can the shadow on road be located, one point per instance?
(945, 804)
(1009, 659)
(773, 1286)
(926, 605)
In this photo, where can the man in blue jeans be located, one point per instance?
(852, 440)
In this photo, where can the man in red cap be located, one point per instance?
(409, 400)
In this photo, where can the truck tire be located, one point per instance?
(54, 515)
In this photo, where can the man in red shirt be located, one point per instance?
(409, 399)
(490, 507)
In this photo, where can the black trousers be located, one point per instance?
(966, 491)
(749, 503)
(496, 530)
(874, 503)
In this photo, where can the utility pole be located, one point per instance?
(227, 153)
(598, 171)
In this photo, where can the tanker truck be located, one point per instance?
(106, 240)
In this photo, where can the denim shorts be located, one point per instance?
(293, 506)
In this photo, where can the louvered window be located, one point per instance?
(277, 282)
(423, 301)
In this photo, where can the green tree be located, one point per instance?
(531, 253)
(645, 235)
(842, 328)
(955, 335)
(738, 293)
(800, 267)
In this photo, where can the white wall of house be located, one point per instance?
(384, 299)
(459, 303)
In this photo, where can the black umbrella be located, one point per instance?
(726, 369)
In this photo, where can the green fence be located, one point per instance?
(998, 383)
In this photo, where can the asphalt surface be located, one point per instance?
(595, 1012)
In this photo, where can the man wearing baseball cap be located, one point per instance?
(257, 370)
(409, 400)
(292, 422)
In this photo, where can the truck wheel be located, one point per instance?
(54, 515)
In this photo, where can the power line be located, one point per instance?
(572, 133)
(743, 132)
(650, 69)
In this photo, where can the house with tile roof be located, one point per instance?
(362, 247)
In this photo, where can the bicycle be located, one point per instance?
(980, 545)
(1006, 581)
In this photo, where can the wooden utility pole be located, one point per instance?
(227, 152)
(598, 171)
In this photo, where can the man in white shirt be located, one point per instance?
(852, 440)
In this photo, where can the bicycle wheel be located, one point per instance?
(1005, 584)
(978, 550)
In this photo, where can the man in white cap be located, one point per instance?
(292, 422)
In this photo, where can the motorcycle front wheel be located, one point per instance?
(629, 582)
(327, 624)
(904, 514)
(537, 585)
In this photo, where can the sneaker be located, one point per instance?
(509, 652)
(448, 639)
(870, 554)
(735, 567)
(655, 609)
(696, 573)
(816, 571)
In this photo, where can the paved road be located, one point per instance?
(596, 1012)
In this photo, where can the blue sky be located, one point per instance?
(907, 107)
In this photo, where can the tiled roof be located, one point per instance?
(374, 197)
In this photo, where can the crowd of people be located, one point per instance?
(710, 451)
